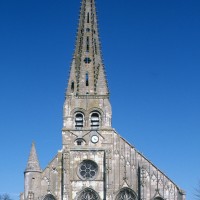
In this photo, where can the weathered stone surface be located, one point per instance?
(95, 161)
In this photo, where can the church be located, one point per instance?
(95, 162)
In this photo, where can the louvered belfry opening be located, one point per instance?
(79, 120)
(95, 121)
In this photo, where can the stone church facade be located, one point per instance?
(95, 162)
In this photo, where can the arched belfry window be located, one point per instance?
(88, 194)
(95, 120)
(79, 120)
(126, 194)
(49, 197)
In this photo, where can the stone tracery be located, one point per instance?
(49, 197)
(88, 194)
(126, 194)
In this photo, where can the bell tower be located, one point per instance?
(87, 105)
(86, 114)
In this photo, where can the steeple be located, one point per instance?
(87, 105)
(87, 74)
(33, 163)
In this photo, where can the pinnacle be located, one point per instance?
(33, 163)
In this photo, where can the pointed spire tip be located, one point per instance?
(33, 163)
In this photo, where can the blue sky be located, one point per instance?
(151, 52)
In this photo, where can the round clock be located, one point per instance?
(95, 139)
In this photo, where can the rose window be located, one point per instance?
(88, 170)
(126, 194)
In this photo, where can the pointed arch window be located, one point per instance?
(95, 120)
(49, 197)
(87, 79)
(158, 198)
(126, 194)
(79, 120)
(88, 194)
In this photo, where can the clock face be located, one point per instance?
(95, 139)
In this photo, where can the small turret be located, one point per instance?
(33, 163)
(32, 176)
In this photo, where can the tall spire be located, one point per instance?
(87, 74)
(33, 163)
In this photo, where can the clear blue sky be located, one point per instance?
(151, 50)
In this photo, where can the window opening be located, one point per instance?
(30, 195)
(88, 170)
(87, 60)
(95, 120)
(72, 86)
(88, 194)
(88, 18)
(88, 30)
(87, 44)
(95, 46)
(126, 194)
(49, 197)
(79, 120)
(79, 141)
(86, 79)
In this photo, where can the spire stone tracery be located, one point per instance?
(87, 75)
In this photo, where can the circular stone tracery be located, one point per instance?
(88, 170)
